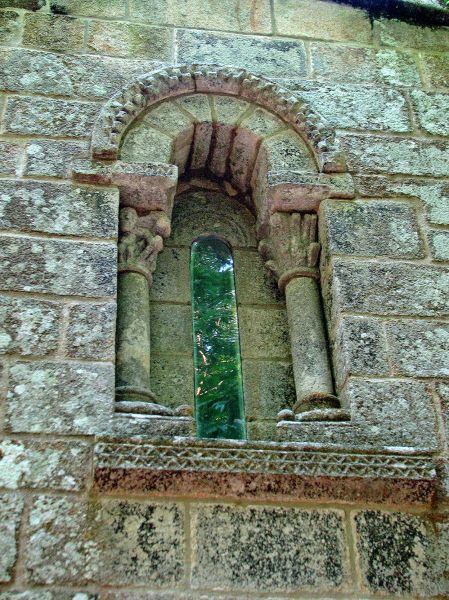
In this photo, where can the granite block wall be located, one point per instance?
(383, 84)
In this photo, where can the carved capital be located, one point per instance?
(141, 240)
(291, 248)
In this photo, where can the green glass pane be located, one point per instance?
(218, 373)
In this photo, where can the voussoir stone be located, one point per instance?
(43, 464)
(58, 208)
(278, 548)
(58, 266)
(54, 397)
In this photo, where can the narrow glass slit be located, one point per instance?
(219, 410)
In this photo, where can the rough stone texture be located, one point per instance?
(11, 507)
(53, 158)
(372, 228)
(171, 328)
(29, 327)
(231, 15)
(360, 348)
(268, 548)
(57, 266)
(394, 552)
(431, 110)
(91, 331)
(393, 413)
(171, 282)
(268, 388)
(59, 208)
(125, 39)
(53, 397)
(26, 4)
(89, 8)
(172, 379)
(43, 464)
(439, 245)
(363, 65)
(272, 58)
(254, 284)
(142, 143)
(139, 543)
(10, 154)
(419, 348)
(9, 27)
(336, 22)
(53, 32)
(357, 107)
(436, 69)
(49, 117)
(391, 288)
(60, 550)
(254, 323)
(403, 35)
(407, 156)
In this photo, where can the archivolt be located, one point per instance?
(131, 102)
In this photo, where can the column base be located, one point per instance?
(139, 401)
(316, 400)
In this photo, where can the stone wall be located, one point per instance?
(384, 86)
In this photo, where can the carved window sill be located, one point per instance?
(185, 466)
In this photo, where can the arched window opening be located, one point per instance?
(219, 406)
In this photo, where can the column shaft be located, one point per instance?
(311, 365)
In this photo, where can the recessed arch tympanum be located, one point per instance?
(254, 137)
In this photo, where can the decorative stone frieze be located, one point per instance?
(270, 471)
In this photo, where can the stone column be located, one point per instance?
(139, 245)
(291, 252)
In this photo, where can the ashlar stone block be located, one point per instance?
(29, 327)
(59, 208)
(139, 542)
(439, 245)
(53, 32)
(393, 413)
(11, 508)
(171, 328)
(229, 110)
(130, 40)
(254, 323)
(371, 228)
(405, 156)
(335, 22)
(9, 27)
(268, 388)
(400, 34)
(419, 348)
(254, 284)
(57, 266)
(10, 154)
(172, 379)
(272, 58)
(436, 69)
(363, 65)
(171, 280)
(91, 331)
(53, 158)
(357, 106)
(90, 8)
(142, 143)
(43, 464)
(431, 110)
(54, 397)
(230, 15)
(25, 70)
(268, 548)
(59, 548)
(59, 118)
(393, 552)
(360, 348)
(391, 288)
